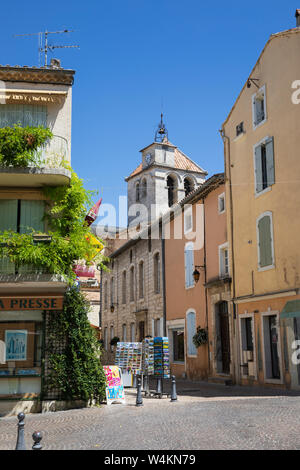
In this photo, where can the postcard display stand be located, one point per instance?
(129, 359)
(161, 357)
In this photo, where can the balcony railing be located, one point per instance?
(53, 154)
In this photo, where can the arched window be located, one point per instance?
(137, 192)
(188, 186)
(156, 273)
(171, 185)
(144, 188)
(105, 295)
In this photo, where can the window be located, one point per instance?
(188, 186)
(223, 261)
(221, 203)
(144, 188)
(191, 331)
(105, 339)
(141, 280)
(24, 115)
(189, 265)
(132, 332)
(124, 287)
(259, 107)
(112, 291)
(265, 241)
(240, 129)
(247, 338)
(124, 332)
(131, 284)
(105, 295)
(22, 216)
(264, 164)
(111, 336)
(188, 218)
(137, 192)
(178, 345)
(156, 327)
(171, 191)
(156, 269)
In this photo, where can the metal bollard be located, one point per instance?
(173, 389)
(159, 386)
(21, 439)
(139, 398)
(146, 385)
(37, 437)
(134, 381)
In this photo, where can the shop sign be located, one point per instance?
(114, 385)
(31, 303)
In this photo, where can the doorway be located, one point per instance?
(222, 338)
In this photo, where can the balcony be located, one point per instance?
(25, 278)
(49, 171)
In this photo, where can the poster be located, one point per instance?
(16, 345)
(114, 385)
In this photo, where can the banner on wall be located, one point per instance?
(114, 385)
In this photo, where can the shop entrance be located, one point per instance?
(223, 338)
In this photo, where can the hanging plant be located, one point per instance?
(201, 337)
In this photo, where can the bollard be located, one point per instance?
(134, 381)
(146, 385)
(159, 386)
(139, 398)
(173, 388)
(21, 439)
(37, 437)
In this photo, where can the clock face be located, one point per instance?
(148, 158)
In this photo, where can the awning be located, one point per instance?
(291, 309)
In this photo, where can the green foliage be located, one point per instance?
(18, 145)
(66, 211)
(76, 371)
(114, 340)
(201, 337)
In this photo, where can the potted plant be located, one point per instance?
(201, 337)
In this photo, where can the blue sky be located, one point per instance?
(138, 57)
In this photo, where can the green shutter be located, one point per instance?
(270, 161)
(258, 169)
(265, 241)
(32, 213)
(8, 221)
(24, 115)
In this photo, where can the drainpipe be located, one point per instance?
(163, 263)
(205, 280)
(227, 167)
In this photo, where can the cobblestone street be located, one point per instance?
(206, 416)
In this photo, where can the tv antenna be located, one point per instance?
(44, 47)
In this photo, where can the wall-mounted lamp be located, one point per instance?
(196, 273)
(112, 307)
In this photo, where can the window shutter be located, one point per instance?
(8, 221)
(265, 242)
(270, 161)
(258, 169)
(189, 267)
(191, 330)
(32, 213)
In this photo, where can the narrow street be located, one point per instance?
(206, 416)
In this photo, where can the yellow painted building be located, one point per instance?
(262, 168)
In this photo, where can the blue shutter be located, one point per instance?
(189, 266)
(191, 330)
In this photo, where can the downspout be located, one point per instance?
(205, 280)
(227, 168)
(163, 263)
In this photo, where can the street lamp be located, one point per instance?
(196, 273)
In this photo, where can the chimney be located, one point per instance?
(56, 64)
(297, 15)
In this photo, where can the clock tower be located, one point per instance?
(165, 176)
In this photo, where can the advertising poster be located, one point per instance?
(114, 385)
